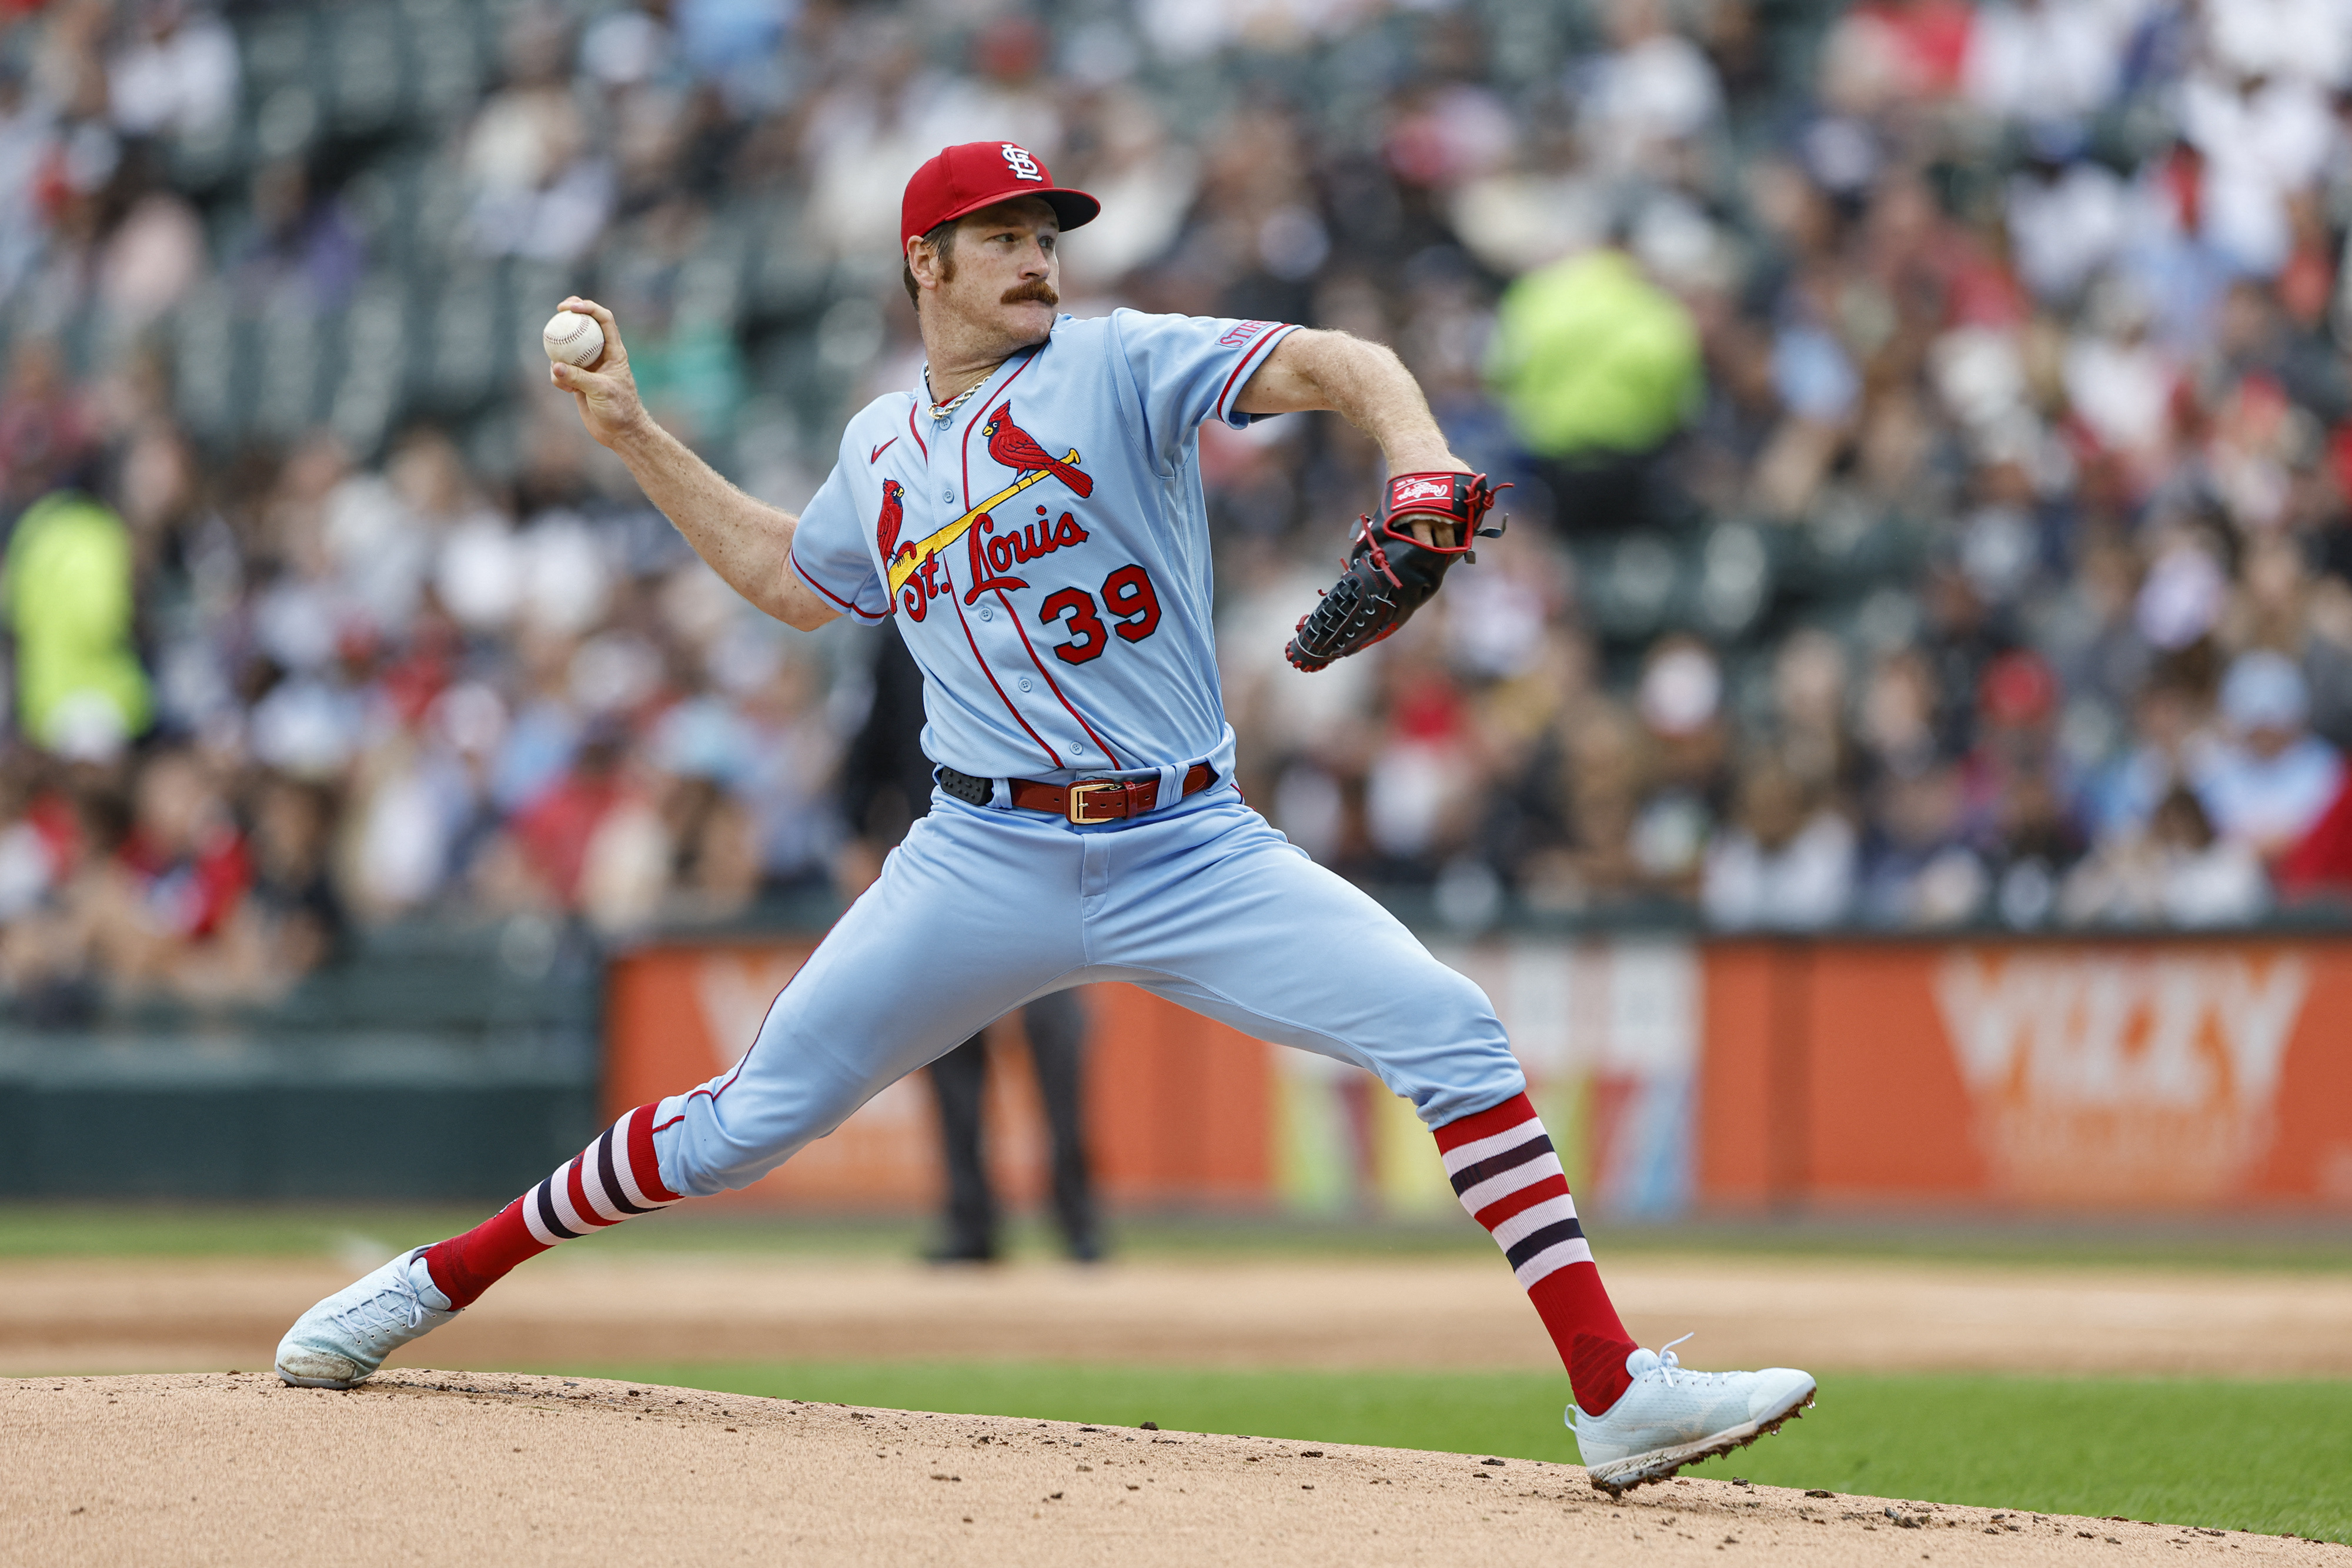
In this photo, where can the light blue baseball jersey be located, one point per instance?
(1045, 547)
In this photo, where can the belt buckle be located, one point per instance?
(1074, 805)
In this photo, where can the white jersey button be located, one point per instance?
(949, 497)
(987, 612)
(1026, 685)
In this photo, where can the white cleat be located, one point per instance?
(343, 1340)
(1671, 1417)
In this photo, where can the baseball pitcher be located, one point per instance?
(1030, 513)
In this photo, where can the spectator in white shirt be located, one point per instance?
(179, 75)
(1654, 90)
(2065, 222)
(2263, 140)
(2177, 872)
(1781, 866)
(2047, 61)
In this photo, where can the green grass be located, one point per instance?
(69, 1230)
(309, 1230)
(2268, 1456)
(127, 1229)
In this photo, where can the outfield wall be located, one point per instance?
(2151, 1075)
(433, 1062)
(2155, 1075)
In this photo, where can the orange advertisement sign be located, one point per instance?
(2121, 1077)
(2172, 1073)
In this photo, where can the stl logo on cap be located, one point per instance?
(1024, 167)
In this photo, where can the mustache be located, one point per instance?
(1036, 289)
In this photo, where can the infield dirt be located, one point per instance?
(435, 1467)
(162, 1314)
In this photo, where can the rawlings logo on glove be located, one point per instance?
(1389, 574)
(1421, 490)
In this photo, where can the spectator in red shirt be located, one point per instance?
(554, 831)
(174, 887)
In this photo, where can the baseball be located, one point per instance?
(573, 339)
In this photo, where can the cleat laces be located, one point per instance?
(396, 1307)
(1670, 1365)
(1670, 1371)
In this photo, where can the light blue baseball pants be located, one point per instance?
(981, 909)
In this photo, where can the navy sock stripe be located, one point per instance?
(545, 1193)
(1535, 1241)
(1493, 1166)
(614, 1193)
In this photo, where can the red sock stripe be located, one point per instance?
(1575, 1309)
(464, 1266)
(1486, 1124)
(1526, 1198)
(578, 1188)
(643, 1165)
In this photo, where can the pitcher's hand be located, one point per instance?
(605, 392)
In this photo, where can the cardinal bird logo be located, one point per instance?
(1013, 446)
(893, 518)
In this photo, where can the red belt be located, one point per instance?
(1087, 800)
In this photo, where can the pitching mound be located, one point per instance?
(441, 1467)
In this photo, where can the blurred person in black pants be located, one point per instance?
(886, 784)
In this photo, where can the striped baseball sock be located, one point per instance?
(1504, 1172)
(607, 1182)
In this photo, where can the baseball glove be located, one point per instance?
(1390, 574)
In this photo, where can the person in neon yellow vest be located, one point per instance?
(1590, 357)
(1597, 368)
(68, 594)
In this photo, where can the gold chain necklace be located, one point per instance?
(946, 410)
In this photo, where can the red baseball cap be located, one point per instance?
(2018, 689)
(975, 174)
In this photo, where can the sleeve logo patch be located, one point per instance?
(1242, 332)
(1024, 165)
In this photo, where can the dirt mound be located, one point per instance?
(441, 1466)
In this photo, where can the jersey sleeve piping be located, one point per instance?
(1241, 371)
(862, 613)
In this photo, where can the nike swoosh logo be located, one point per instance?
(881, 449)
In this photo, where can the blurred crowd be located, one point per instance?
(1930, 425)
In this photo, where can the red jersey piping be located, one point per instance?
(993, 681)
(1264, 343)
(829, 593)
